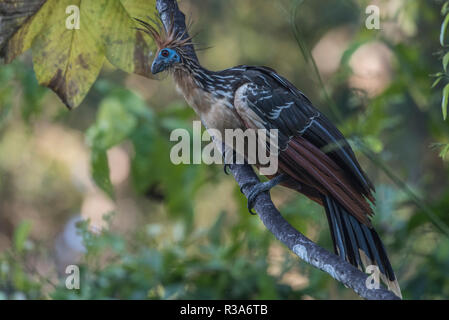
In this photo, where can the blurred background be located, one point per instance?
(160, 231)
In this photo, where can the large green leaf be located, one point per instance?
(68, 60)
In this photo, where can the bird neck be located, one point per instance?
(197, 82)
(191, 71)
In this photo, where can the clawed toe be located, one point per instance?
(256, 190)
(227, 169)
(251, 196)
(245, 185)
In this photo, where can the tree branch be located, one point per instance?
(303, 247)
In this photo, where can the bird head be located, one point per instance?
(165, 59)
(170, 45)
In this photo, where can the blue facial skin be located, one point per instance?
(165, 59)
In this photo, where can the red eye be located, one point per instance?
(165, 53)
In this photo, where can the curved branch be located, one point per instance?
(303, 247)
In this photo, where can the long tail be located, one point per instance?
(358, 244)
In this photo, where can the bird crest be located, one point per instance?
(165, 38)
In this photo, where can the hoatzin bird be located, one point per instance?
(253, 97)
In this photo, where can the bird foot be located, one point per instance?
(258, 188)
(226, 169)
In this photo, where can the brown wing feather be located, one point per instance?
(316, 169)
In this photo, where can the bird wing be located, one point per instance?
(269, 101)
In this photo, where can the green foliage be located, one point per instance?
(439, 76)
(16, 281)
(443, 76)
(71, 43)
(156, 264)
(31, 96)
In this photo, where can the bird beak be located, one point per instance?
(157, 66)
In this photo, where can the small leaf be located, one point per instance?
(438, 74)
(444, 9)
(436, 82)
(443, 29)
(436, 145)
(346, 56)
(445, 100)
(100, 171)
(21, 235)
(444, 151)
(445, 61)
(444, 148)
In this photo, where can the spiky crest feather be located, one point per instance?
(166, 38)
